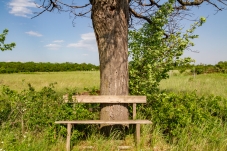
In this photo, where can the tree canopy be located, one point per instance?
(139, 10)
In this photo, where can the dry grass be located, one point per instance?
(203, 84)
(69, 80)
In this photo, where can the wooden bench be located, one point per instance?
(106, 99)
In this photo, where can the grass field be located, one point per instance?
(70, 80)
(205, 84)
(215, 84)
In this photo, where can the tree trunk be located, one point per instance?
(110, 22)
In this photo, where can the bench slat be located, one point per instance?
(105, 122)
(105, 99)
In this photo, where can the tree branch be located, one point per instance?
(152, 2)
(188, 3)
(199, 2)
(221, 1)
(81, 14)
(208, 1)
(75, 6)
(45, 9)
(55, 4)
(139, 15)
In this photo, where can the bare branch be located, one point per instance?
(51, 5)
(152, 2)
(82, 14)
(221, 1)
(189, 3)
(208, 1)
(199, 2)
(139, 15)
(45, 9)
(140, 10)
(71, 6)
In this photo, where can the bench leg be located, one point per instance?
(69, 126)
(137, 135)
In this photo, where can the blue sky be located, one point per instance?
(51, 37)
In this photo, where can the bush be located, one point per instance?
(154, 55)
(35, 112)
(175, 112)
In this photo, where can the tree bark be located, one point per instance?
(110, 22)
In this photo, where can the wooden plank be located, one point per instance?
(69, 126)
(137, 135)
(134, 111)
(87, 147)
(124, 147)
(105, 99)
(105, 122)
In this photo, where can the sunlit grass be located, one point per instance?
(70, 80)
(205, 84)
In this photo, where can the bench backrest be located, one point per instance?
(107, 99)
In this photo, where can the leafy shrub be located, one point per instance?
(174, 112)
(199, 70)
(36, 111)
(153, 54)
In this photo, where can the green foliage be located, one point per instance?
(175, 112)
(15, 67)
(199, 69)
(4, 46)
(180, 117)
(220, 67)
(153, 54)
(35, 112)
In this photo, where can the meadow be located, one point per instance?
(189, 114)
(64, 80)
(204, 84)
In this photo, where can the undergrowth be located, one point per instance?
(180, 122)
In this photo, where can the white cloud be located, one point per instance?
(21, 7)
(88, 36)
(58, 41)
(88, 42)
(32, 33)
(53, 46)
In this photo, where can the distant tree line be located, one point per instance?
(220, 67)
(16, 67)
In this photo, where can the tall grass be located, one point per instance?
(205, 84)
(65, 80)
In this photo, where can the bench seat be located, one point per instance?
(104, 122)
